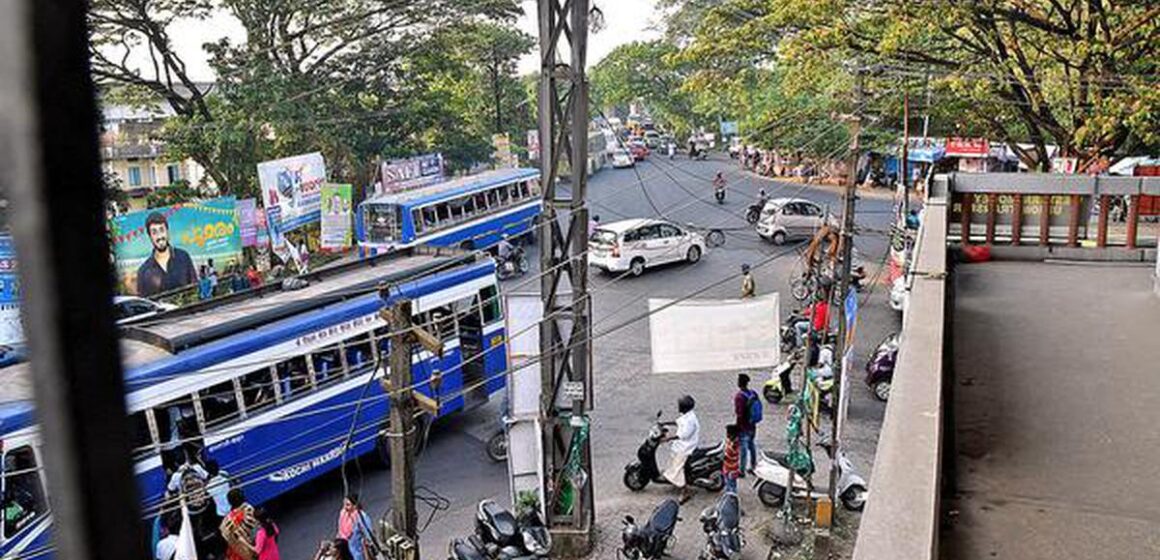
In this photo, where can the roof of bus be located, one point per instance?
(200, 323)
(16, 380)
(16, 415)
(457, 186)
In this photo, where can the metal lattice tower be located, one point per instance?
(565, 333)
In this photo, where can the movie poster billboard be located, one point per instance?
(406, 174)
(248, 222)
(291, 190)
(336, 214)
(161, 249)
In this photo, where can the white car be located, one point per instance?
(783, 219)
(634, 245)
(131, 308)
(621, 158)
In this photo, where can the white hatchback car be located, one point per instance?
(635, 245)
(621, 158)
(783, 219)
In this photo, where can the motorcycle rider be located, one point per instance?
(816, 314)
(504, 249)
(719, 182)
(684, 439)
(762, 198)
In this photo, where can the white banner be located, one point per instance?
(291, 191)
(714, 335)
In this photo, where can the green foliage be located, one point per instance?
(357, 81)
(175, 193)
(647, 72)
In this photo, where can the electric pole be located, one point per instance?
(565, 331)
(842, 346)
(397, 385)
(904, 207)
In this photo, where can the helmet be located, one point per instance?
(762, 193)
(685, 404)
(745, 268)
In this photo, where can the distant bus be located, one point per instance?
(469, 213)
(267, 382)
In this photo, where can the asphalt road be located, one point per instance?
(627, 394)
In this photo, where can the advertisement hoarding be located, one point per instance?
(291, 190)
(161, 249)
(968, 147)
(11, 332)
(336, 216)
(406, 174)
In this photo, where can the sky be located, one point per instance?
(625, 21)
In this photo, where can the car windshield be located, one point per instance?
(604, 237)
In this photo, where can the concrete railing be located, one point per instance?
(901, 517)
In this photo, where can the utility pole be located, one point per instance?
(904, 207)
(397, 385)
(847, 247)
(565, 332)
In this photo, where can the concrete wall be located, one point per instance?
(902, 513)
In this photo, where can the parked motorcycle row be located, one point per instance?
(499, 535)
(720, 522)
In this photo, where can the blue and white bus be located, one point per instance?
(470, 213)
(266, 382)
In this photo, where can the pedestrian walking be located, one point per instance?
(684, 441)
(354, 526)
(266, 542)
(748, 286)
(731, 469)
(748, 411)
(238, 527)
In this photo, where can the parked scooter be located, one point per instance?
(773, 475)
(880, 367)
(516, 264)
(722, 526)
(471, 548)
(649, 542)
(702, 468)
(505, 538)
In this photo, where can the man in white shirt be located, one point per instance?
(167, 547)
(685, 438)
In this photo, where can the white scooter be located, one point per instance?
(773, 476)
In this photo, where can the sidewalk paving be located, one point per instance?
(1056, 406)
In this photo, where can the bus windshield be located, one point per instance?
(382, 222)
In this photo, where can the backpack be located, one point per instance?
(193, 487)
(753, 408)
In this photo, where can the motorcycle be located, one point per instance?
(497, 445)
(779, 383)
(722, 525)
(880, 367)
(505, 538)
(649, 542)
(702, 468)
(753, 213)
(516, 264)
(772, 476)
(719, 194)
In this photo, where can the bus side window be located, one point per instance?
(417, 219)
(219, 404)
(257, 390)
(293, 377)
(444, 212)
(480, 202)
(524, 190)
(23, 492)
(430, 218)
(178, 431)
(139, 430)
(493, 198)
(327, 365)
(504, 195)
(492, 310)
(469, 207)
(358, 352)
(514, 188)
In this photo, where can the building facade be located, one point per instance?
(132, 150)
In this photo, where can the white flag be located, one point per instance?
(186, 544)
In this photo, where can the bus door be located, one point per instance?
(23, 491)
(470, 324)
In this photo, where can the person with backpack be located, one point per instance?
(749, 412)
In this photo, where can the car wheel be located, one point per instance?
(694, 254)
(770, 494)
(882, 390)
(716, 238)
(778, 238)
(636, 268)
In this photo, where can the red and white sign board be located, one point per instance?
(968, 147)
